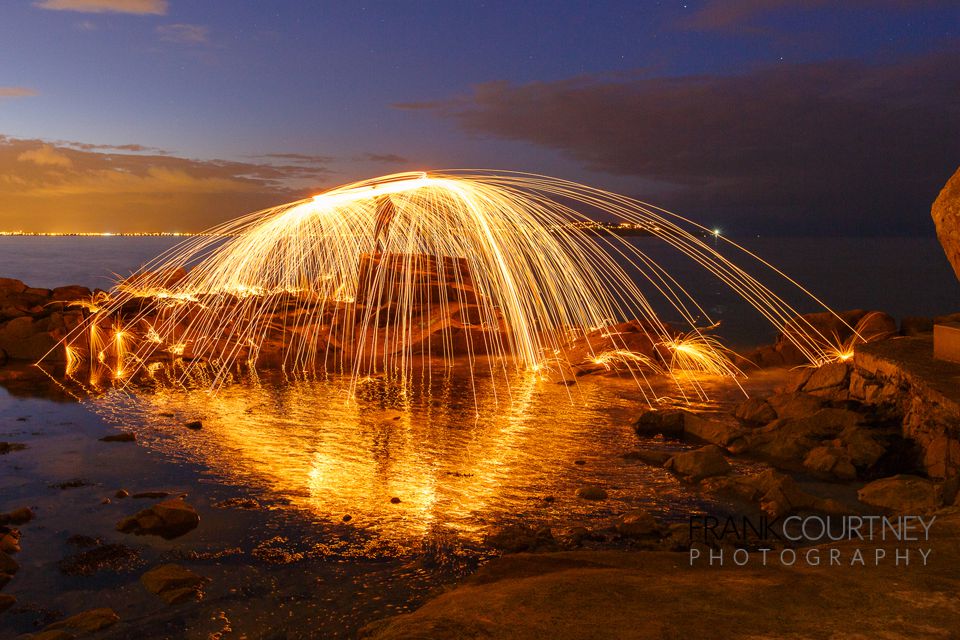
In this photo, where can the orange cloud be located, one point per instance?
(17, 92)
(137, 7)
(48, 186)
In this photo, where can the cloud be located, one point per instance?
(137, 7)
(741, 15)
(45, 156)
(298, 157)
(17, 92)
(183, 33)
(830, 146)
(47, 186)
(386, 158)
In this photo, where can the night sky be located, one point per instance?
(757, 116)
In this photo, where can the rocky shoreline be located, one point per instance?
(868, 436)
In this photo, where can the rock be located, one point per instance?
(86, 622)
(9, 540)
(592, 492)
(248, 504)
(794, 405)
(152, 495)
(653, 457)
(70, 293)
(699, 464)
(6, 601)
(17, 516)
(755, 410)
(196, 425)
(125, 436)
(637, 524)
(828, 376)
(875, 326)
(55, 634)
(901, 493)
(946, 216)
(24, 338)
(8, 564)
(666, 422)
(9, 286)
(173, 583)
(790, 439)
(829, 460)
(719, 429)
(7, 447)
(121, 493)
(396, 500)
(862, 447)
(915, 325)
(168, 519)
(777, 494)
(519, 538)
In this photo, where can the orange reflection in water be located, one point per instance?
(456, 466)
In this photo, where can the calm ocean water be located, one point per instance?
(903, 276)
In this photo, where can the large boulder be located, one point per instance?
(902, 493)
(791, 439)
(776, 493)
(946, 217)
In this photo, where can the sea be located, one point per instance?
(903, 276)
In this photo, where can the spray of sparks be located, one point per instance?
(417, 272)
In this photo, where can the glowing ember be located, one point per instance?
(413, 273)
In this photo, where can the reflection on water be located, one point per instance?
(457, 467)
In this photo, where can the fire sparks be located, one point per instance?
(416, 272)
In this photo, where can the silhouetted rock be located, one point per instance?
(667, 422)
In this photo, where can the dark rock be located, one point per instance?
(70, 484)
(833, 375)
(901, 493)
(7, 447)
(394, 500)
(830, 460)
(125, 436)
(196, 425)
(86, 622)
(790, 439)
(518, 538)
(667, 422)
(637, 524)
(592, 492)
(151, 495)
(9, 539)
(6, 601)
(915, 325)
(776, 493)
(121, 493)
(238, 503)
(173, 583)
(653, 457)
(8, 564)
(17, 516)
(717, 428)
(755, 410)
(795, 405)
(70, 293)
(699, 464)
(168, 519)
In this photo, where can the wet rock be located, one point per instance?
(519, 538)
(832, 461)
(6, 601)
(946, 216)
(666, 422)
(653, 457)
(637, 524)
(901, 493)
(17, 516)
(125, 436)
(168, 519)
(7, 447)
(173, 583)
(114, 557)
(699, 464)
(719, 429)
(196, 425)
(755, 410)
(829, 376)
(592, 492)
(396, 500)
(121, 493)
(794, 405)
(86, 622)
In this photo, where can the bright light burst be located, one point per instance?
(410, 273)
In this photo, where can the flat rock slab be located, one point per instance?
(912, 359)
(652, 595)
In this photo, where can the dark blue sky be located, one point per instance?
(661, 100)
